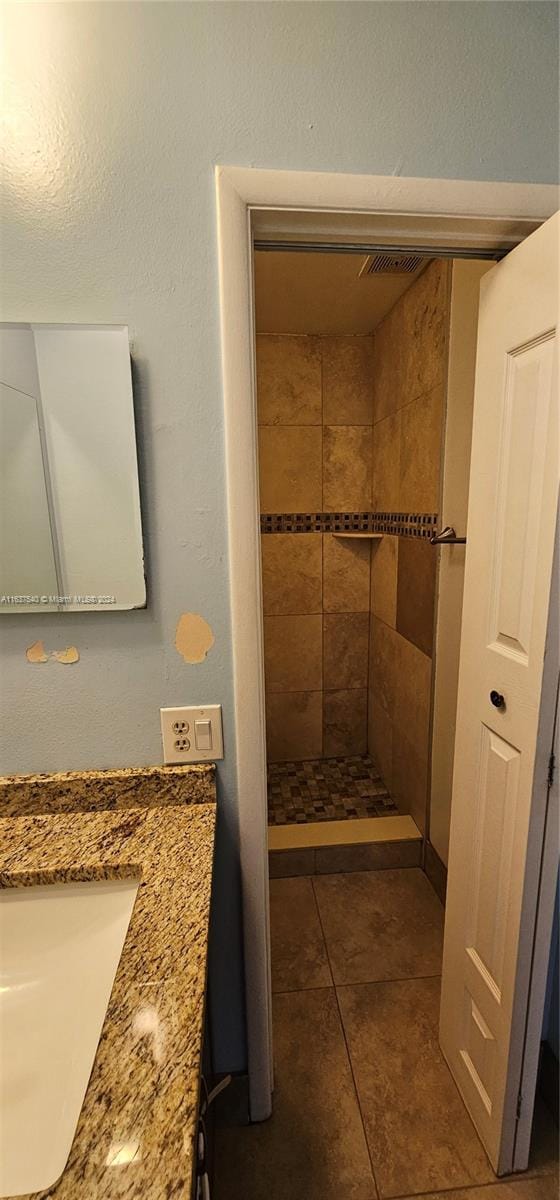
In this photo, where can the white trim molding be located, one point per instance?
(451, 213)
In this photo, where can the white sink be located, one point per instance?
(60, 947)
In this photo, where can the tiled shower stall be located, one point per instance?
(350, 438)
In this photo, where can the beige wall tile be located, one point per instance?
(294, 725)
(385, 666)
(290, 468)
(425, 320)
(412, 697)
(380, 740)
(388, 364)
(421, 433)
(386, 455)
(345, 574)
(345, 650)
(384, 565)
(288, 380)
(291, 573)
(416, 592)
(345, 722)
(347, 380)
(293, 653)
(410, 345)
(346, 468)
(409, 779)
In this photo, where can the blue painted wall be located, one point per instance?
(117, 114)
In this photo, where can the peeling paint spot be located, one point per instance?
(36, 653)
(193, 638)
(68, 656)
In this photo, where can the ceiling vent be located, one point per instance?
(391, 264)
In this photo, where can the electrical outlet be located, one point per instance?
(192, 734)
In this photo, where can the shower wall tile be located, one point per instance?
(420, 452)
(388, 364)
(409, 367)
(346, 468)
(347, 380)
(288, 380)
(386, 459)
(380, 740)
(409, 780)
(426, 323)
(293, 659)
(345, 722)
(290, 468)
(345, 650)
(416, 592)
(346, 571)
(294, 725)
(292, 574)
(412, 696)
(410, 345)
(384, 567)
(385, 665)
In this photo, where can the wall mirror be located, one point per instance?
(70, 529)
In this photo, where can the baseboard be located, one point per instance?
(549, 1079)
(436, 871)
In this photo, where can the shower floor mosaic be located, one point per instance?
(326, 789)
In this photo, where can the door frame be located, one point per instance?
(454, 214)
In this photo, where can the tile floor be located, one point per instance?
(364, 1105)
(326, 789)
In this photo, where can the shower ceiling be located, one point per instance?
(310, 292)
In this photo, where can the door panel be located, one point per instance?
(510, 541)
(527, 400)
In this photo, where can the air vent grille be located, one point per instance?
(391, 264)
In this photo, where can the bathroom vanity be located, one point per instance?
(144, 838)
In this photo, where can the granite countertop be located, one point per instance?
(136, 1131)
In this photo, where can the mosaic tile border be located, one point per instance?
(399, 524)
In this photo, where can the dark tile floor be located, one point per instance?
(364, 1105)
(326, 789)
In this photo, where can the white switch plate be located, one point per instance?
(179, 734)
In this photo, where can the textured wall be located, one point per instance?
(117, 114)
(410, 367)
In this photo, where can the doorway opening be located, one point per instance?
(361, 403)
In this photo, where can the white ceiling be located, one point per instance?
(309, 292)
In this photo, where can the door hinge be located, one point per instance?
(519, 1106)
(551, 769)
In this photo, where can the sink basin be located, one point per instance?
(60, 946)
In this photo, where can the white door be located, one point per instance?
(496, 788)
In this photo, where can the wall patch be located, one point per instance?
(68, 656)
(37, 654)
(193, 638)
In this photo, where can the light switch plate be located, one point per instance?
(186, 733)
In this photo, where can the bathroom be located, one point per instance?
(356, 356)
(151, 151)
